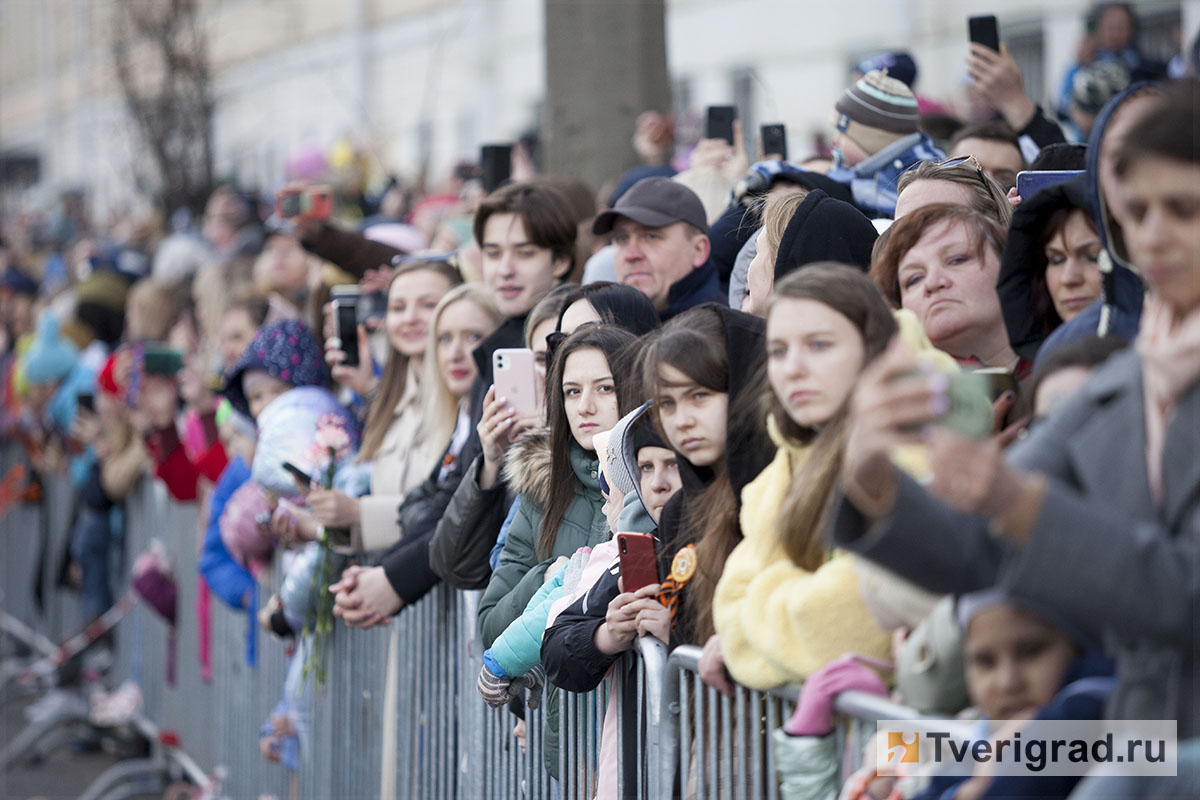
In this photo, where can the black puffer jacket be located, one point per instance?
(1028, 311)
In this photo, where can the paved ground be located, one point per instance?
(65, 774)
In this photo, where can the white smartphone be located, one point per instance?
(512, 374)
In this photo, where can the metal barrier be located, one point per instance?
(400, 715)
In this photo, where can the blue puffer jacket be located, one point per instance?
(873, 182)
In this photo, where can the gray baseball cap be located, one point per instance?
(655, 203)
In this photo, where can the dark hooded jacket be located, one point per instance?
(569, 655)
(825, 229)
(737, 225)
(1023, 265)
(1119, 311)
(700, 285)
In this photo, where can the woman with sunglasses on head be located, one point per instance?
(399, 447)
(957, 181)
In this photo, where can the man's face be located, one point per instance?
(518, 272)
(652, 260)
(999, 159)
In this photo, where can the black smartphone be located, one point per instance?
(345, 318)
(87, 402)
(774, 140)
(720, 123)
(300, 475)
(1030, 182)
(495, 165)
(161, 359)
(983, 30)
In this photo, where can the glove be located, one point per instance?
(498, 690)
(814, 712)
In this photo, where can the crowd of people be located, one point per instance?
(891, 426)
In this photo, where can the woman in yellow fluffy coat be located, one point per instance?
(787, 604)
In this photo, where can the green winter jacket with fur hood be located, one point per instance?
(519, 573)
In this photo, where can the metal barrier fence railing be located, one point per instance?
(400, 715)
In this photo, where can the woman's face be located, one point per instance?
(581, 312)
(589, 393)
(1159, 212)
(1015, 662)
(929, 191)
(1072, 268)
(460, 329)
(260, 388)
(814, 357)
(951, 287)
(658, 473)
(411, 301)
(237, 331)
(537, 344)
(694, 417)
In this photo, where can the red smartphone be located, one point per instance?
(639, 564)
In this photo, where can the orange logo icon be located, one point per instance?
(903, 748)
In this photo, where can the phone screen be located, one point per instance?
(347, 329)
(983, 30)
(774, 141)
(720, 123)
(495, 165)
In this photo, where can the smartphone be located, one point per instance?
(345, 319)
(512, 374)
(774, 140)
(639, 564)
(300, 475)
(311, 202)
(983, 30)
(1030, 182)
(969, 411)
(720, 123)
(495, 165)
(159, 359)
(999, 381)
(87, 402)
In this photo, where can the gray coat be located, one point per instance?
(1101, 552)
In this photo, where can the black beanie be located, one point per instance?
(825, 229)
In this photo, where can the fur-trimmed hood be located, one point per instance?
(527, 466)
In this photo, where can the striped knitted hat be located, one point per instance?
(876, 111)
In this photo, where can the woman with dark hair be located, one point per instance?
(1107, 483)
(555, 471)
(610, 303)
(1049, 269)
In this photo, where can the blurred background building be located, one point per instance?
(417, 85)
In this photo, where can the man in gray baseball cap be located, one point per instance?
(660, 245)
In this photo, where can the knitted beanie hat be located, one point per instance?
(286, 350)
(876, 111)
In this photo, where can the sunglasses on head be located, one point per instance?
(967, 159)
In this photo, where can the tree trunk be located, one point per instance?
(606, 62)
